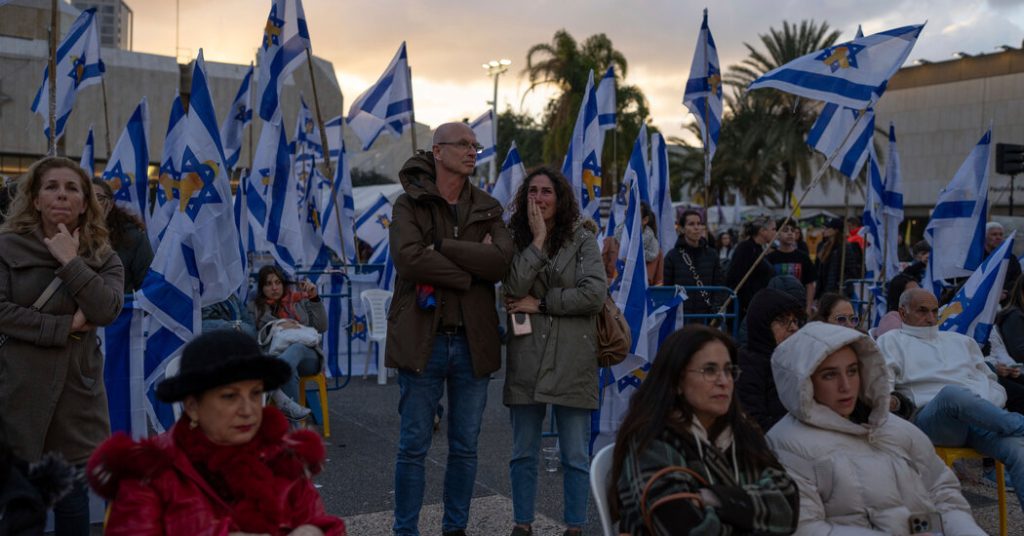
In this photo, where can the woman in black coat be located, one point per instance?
(694, 263)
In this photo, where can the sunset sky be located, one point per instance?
(449, 40)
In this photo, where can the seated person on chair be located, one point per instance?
(945, 375)
(687, 460)
(274, 301)
(228, 466)
(857, 467)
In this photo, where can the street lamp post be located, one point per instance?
(495, 68)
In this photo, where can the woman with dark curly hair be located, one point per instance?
(554, 289)
(127, 237)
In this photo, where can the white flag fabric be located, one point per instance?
(509, 180)
(630, 289)
(852, 74)
(239, 115)
(168, 200)
(373, 224)
(956, 230)
(274, 165)
(606, 100)
(127, 170)
(662, 205)
(582, 165)
(833, 126)
(340, 207)
(78, 66)
(311, 184)
(285, 41)
(485, 129)
(387, 105)
(873, 221)
(703, 95)
(88, 160)
(972, 311)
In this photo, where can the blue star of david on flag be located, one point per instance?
(123, 192)
(359, 327)
(206, 173)
(840, 56)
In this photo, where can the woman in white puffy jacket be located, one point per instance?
(860, 469)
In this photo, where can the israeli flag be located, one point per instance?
(703, 95)
(78, 66)
(582, 165)
(339, 217)
(956, 230)
(311, 184)
(198, 262)
(852, 74)
(123, 344)
(284, 46)
(373, 224)
(509, 180)
(973, 310)
(485, 130)
(662, 205)
(239, 115)
(273, 163)
(168, 200)
(387, 105)
(606, 101)
(618, 210)
(892, 203)
(636, 168)
(127, 171)
(831, 129)
(873, 220)
(630, 288)
(88, 160)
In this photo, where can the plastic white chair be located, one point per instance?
(600, 470)
(376, 303)
(172, 369)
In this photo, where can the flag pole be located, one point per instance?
(106, 115)
(707, 134)
(818, 175)
(412, 109)
(843, 239)
(52, 80)
(326, 148)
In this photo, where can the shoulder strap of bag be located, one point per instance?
(266, 333)
(695, 497)
(39, 303)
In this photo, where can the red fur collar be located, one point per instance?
(255, 474)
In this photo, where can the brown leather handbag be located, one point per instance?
(613, 335)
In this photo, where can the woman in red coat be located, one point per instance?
(229, 465)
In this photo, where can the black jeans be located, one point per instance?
(71, 514)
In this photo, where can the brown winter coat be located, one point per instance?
(51, 384)
(462, 270)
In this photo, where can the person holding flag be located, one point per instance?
(553, 290)
(449, 246)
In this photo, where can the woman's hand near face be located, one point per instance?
(63, 245)
(309, 289)
(537, 226)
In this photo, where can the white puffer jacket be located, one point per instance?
(856, 479)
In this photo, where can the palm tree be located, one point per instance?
(785, 134)
(566, 64)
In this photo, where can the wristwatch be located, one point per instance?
(543, 306)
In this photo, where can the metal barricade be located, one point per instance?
(659, 295)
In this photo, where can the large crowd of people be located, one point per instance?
(801, 427)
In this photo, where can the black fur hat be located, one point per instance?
(219, 358)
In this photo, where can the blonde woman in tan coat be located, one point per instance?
(51, 368)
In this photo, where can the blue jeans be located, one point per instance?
(573, 439)
(957, 417)
(449, 363)
(303, 360)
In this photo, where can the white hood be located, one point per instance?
(799, 356)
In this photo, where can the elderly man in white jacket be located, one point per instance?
(958, 397)
(861, 470)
